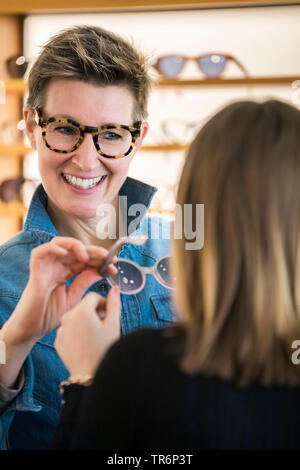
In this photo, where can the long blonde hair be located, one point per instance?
(240, 294)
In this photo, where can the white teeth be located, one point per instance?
(82, 183)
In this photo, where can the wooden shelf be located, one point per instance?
(15, 208)
(14, 150)
(282, 80)
(15, 85)
(19, 6)
(18, 85)
(164, 148)
(18, 150)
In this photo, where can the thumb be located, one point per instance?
(91, 301)
(113, 306)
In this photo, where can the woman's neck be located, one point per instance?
(83, 229)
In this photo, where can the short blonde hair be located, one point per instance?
(93, 55)
(240, 294)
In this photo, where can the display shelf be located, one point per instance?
(18, 85)
(164, 148)
(14, 150)
(276, 80)
(15, 85)
(15, 208)
(161, 211)
(36, 6)
(18, 150)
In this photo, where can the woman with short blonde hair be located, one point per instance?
(85, 116)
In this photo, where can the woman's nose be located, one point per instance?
(86, 156)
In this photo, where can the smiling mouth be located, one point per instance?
(82, 183)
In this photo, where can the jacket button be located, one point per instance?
(103, 286)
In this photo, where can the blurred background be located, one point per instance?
(262, 39)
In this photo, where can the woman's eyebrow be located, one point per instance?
(67, 116)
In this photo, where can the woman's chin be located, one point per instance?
(82, 212)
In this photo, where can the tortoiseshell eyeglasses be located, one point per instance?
(64, 135)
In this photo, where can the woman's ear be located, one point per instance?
(144, 130)
(30, 123)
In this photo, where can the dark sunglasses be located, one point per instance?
(12, 189)
(16, 66)
(212, 64)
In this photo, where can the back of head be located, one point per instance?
(93, 55)
(240, 294)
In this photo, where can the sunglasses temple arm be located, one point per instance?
(116, 246)
(238, 63)
(110, 256)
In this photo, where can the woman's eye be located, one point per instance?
(110, 136)
(65, 130)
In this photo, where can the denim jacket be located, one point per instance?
(28, 420)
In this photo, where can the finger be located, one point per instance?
(46, 249)
(71, 244)
(96, 252)
(93, 301)
(81, 283)
(113, 306)
(98, 255)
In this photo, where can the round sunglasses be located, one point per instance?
(212, 64)
(131, 277)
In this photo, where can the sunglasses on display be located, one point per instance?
(16, 66)
(131, 277)
(64, 135)
(212, 65)
(11, 189)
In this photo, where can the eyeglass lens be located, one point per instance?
(129, 278)
(64, 136)
(212, 65)
(171, 66)
(163, 272)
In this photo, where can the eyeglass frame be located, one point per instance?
(134, 130)
(196, 59)
(135, 240)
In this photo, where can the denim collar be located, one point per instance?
(38, 219)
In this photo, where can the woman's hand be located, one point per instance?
(46, 297)
(87, 331)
